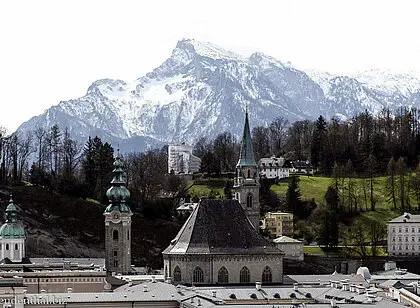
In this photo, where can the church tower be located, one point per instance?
(118, 223)
(247, 183)
(12, 236)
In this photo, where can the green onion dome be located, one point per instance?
(118, 194)
(12, 227)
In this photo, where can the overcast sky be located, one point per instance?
(53, 50)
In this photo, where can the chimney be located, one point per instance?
(258, 285)
(198, 302)
(333, 302)
(295, 286)
(153, 279)
(214, 293)
(145, 288)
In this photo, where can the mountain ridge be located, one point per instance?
(202, 90)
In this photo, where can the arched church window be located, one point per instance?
(198, 275)
(16, 246)
(249, 200)
(267, 276)
(249, 173)
(223, 276)
(244, 275)
(177, 274)
(7, 246)
(115, 235)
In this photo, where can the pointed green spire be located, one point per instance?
(246, 156)
(118, 193)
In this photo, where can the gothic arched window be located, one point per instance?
(16, 247)
(249, 173)
(223, 276)
(7, 246)
(115, 235)
(249, 200)
(177, 274)
(244, 275)
(198, 275)
(267, 276)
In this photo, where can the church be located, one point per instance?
(220, 241)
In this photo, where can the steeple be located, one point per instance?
(246, 155)
(118, 193)
(118, 223)
(247, 183)
(12, 235)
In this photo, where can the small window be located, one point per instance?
(7, 246)
(399, 230)
(249, 201)
(244, 275)
(115, 263)
(115, 253)
(198, 275)
(16, 247)
(115, 235)
(177, 274)
(412, 229)
(223, 275)
(128, 234)
(406, 229)
(267, 275)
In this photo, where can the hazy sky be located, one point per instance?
(53, 50)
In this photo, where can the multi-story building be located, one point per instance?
(292, 248)
(181, 160)
(278, 223)
(404, 235)
(273, 168)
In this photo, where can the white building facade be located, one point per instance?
(292, 248)
(273, 168)
(181, 160)
(404, 235)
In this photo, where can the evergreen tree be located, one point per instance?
(329, 231)
(390, 182)
(293, 196)
(318, 142)
(89, 167)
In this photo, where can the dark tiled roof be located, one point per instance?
(219, 227)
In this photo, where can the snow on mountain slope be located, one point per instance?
(202, 90)
(389, 81)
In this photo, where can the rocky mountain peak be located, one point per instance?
(201, 90)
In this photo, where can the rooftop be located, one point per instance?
(219, 227)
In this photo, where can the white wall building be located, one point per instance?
(182, 160)
(292, 248)
(272, 168)
(404, 235)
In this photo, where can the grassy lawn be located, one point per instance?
(314, 187)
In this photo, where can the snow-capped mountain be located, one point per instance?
(202, 90)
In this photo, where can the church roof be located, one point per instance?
(246, 156)
(219, 227)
